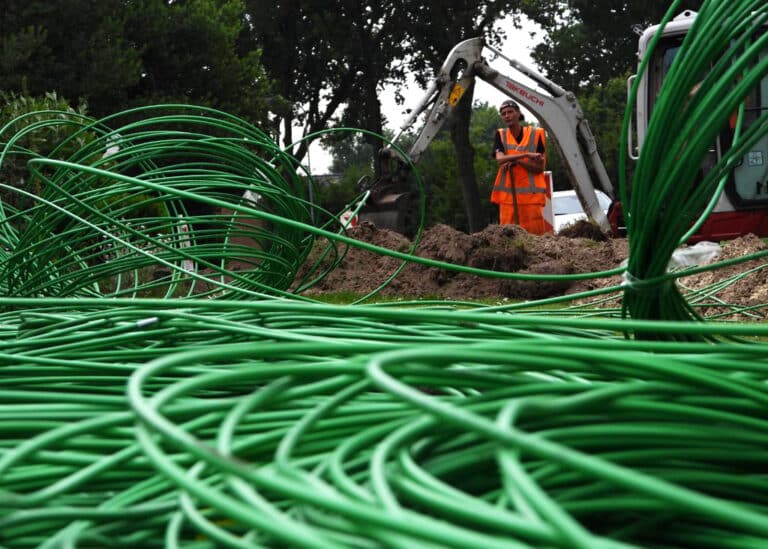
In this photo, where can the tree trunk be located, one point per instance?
(373, 124)
(465, 155)
(288, 132)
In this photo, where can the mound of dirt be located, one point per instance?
(744, 284)
(509, 248)
(503, 248)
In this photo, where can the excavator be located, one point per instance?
(741, 209)
(557, 109)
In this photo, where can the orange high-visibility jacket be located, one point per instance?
(530, 187)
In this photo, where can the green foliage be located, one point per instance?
(19, 116)
(118, 53)
(587, 43)
(78, 48)
(190, 54)
(482, 130)
(335, 193)
(350, 151)
(20, 110)
(351, 162)
(604, 107)
(438, 170)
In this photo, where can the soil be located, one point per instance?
(509, 248)
(744, 284)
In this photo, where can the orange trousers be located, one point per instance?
(531, 217)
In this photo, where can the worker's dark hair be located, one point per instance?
(510, 103)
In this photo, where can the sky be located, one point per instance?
(517, 46)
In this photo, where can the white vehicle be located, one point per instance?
(567, 209)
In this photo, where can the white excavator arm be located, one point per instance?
(557, 110)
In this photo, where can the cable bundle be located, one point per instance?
(718, 64)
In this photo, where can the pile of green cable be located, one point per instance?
(233, 424)
(159, 201)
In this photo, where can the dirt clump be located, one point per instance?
(584, 229)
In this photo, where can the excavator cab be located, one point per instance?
(741, 208)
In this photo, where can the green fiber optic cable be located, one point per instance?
(199, 393)
(164, 385)
(718, 46)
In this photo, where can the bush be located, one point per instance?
(32, 127)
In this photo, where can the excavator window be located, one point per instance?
(748, 183)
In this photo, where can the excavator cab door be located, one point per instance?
(749, 183)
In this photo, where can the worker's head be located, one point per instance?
(509, 109)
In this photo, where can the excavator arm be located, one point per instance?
(558, 111)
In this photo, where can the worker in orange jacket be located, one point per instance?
(520, 188)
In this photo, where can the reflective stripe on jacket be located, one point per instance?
(530, 187)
